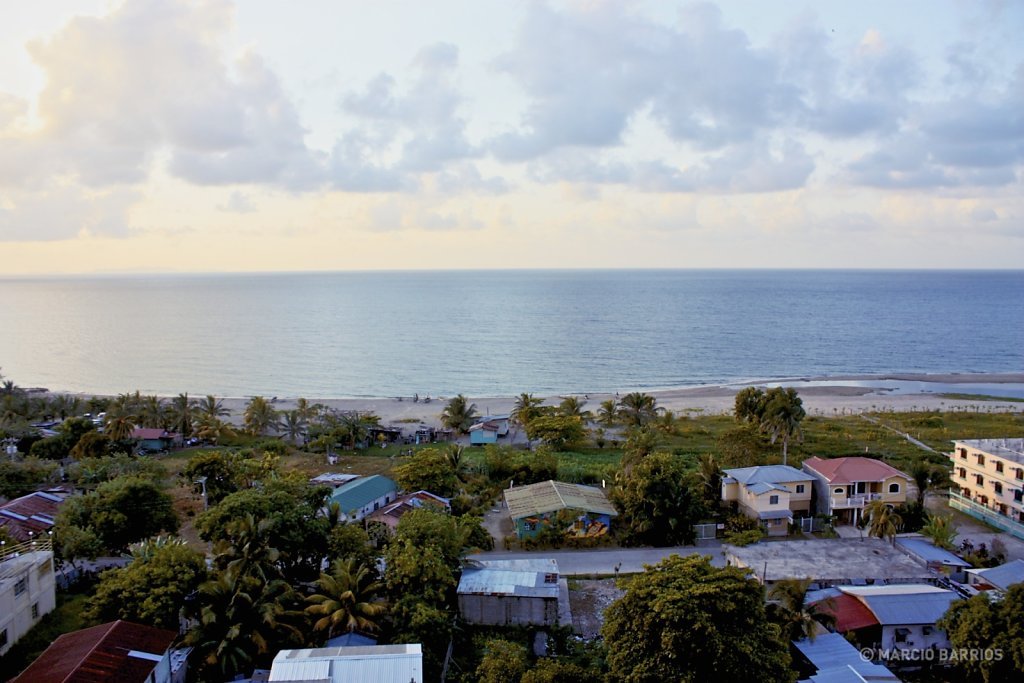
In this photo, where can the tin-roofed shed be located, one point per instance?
(536, 506)
(510, 592)
(359, 498)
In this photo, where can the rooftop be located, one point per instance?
(34, 513)
(1003, 576)
(550, 496)
(838, 661)
(928, 552)
(522, 578)
(147, 433)
(851, 469)
(830, 561)
(904, 603)
(117, 651)
(849, 612)
(378, 663)
(361, 492)
(768, 474)
(764, 487)
(1008, 449)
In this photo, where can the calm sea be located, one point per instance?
(500, 332)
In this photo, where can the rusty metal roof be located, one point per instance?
(550, 496)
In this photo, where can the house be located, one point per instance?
(483, 433)
(27, 588)
(378, 663)
(835, 660)
(155, 440)
(997, 578)
(510, 592)
(844, 486)
(988, 482)
(359, 498)
(891, 616)
(933, 557)
(829, 562)
(536, 506)
(390, 514)
(116, 651)
(32, 515)
(771, 494)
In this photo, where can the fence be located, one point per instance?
(985, 514)
(705, 532)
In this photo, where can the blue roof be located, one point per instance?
(351, 639)
(904, 603)
(361, 492)
(1005, 575)
(763, 487)
(838, 661)
(775, 514)
(768, 474)
(929, 552)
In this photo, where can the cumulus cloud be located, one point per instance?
(238, 202)
(64, 213)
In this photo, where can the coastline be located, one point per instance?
(822, 396)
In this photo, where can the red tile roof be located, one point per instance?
(100, 653)
(34, 512)
(851, 469)
(850, 613)
(152, 433)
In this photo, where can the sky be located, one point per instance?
(160, 136)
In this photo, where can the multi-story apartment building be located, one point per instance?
(988, 478)
(27, 588)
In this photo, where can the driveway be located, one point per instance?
(608, 560)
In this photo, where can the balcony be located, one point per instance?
(856, 501)
(986, 514)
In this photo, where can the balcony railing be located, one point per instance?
(856, 501)
(9, 553)
(986, 514)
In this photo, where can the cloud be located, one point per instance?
(64, 213)
(238, 202)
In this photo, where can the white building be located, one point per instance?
(377, 663)
(27, 589)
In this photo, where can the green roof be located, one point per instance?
(549, 496)
(361, 492)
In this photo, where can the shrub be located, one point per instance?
(744, 538)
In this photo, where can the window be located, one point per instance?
(773, 500)
(963, 472)
(927, 630)
(999, 466)
(839, 490)
(894, 488)
(981, 459)
(901, 635)
(966, 493)
(1019, 474)
(979, 480)
(799, 488)
(1018, 495)
(35, 610)
(963, 453)
(997, 486)
(21, 586)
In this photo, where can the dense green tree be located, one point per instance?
(657, 505)
(20, 478)
(637, 408)
(685, 620)
(152, 589)
(418, 571)
(92, 471)
(742, 446)
(430, 625)
(50, 448)
(225, 472)
(558, 671)
(450, 535)
(992, 628)
(347, 599)
(120, 512)
(92, 445)
(608, 413)
(459, 414)
(749, 405)
(561, 432)
(503, 662)
(710, 475)
(640, 442)
(259, 417)
(428, 470)
(353, 542)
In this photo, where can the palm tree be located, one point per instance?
(454, 454)
(882, 520)
(293, 426)
(800, 619)
(608, 413)
(213, 429)
(922, 475)
(940, 530)
(249, 553)
(355, 426)
(181, 412)
(65, 406)
(572, 406)
(527, 407)
(260, 416)
(347, 599)
(459, 414)
(119, 426)
(710, 477)
(152, 413)
(211, 406)
(666, 422)
(783, 413)
(638, 408)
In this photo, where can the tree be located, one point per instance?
(710, 478)
(293, 426)
(259, 417)
(119, 425)
(657, 506)
(924, 476)
(428, 470)
(608, 413)
(749, 405)
(783, 413)
(213, 429)
(211, 406)
(347, 599)
(459, 414)
(18, 479)
(152, 589)
(223, 471)
(882, 520)
(561, 432)
(940, 530)
(121, 512)
(640, 442)
(637, 408)
(502, 662)
(798, 619)
(572, 406)
(152, 413)
(91, 445)
(182, 412)
(685, 620)
(558, 671)
(985, 626)
(527, 406)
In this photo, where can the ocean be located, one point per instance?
(494, 333)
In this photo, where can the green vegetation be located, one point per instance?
(986, 626)
(981, 397)
(69, 615)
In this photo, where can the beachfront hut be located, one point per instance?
(483, 433)
(537, 506)
(154, 440)
(361, 497)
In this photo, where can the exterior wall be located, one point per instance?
(35, 569)
(762, 502)
(372, 506)
(483, 436)
(800, 502)
(1001, 480)
(508, 610)
(900, 496)
(822, 491)
(776, 527)
(919, 637)
(730, 491)
(526, 528)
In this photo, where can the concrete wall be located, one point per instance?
(37, 572)
(917, 638)
(506, 610)
(372, 506)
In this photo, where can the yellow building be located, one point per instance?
(988, 481)
(844, 486)
(771, 494)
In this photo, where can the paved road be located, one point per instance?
(604, 560)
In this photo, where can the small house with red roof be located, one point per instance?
(155, 440)
(844, 486)
(32, 515)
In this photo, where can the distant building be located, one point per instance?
(536, 506)
(933, 557)
(377, 663)
(390, 514)
(333, 479)
(988, 482)
(771, 494)
(155, 440)
(359, 498)
(997, 578)
(829, 562)
(844, 486)
(510, 592)
(483, 433)
(27, 588)
(31, 516)
(117, 651)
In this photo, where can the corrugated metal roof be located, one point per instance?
(525, 578)
(764, 487)
(380, 664)
(904, 603)
(838, 661)
(1003, 576)
(361, 492)
(849, 612)
(775, 514)
(928, 552)
(769, 474)
(550, 496)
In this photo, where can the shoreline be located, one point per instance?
(820, 396)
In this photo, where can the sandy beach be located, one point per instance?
(819, 394)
